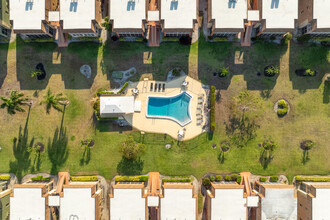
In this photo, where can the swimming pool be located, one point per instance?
(176, 108)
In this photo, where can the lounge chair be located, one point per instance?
(163, 87)
(155, 87)
(151, 87)
(159, 87)
(201, 95)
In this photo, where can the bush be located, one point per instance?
(234, 177)
(139, 39)
(223, 72)
(122, 39)
(177, 180)
(176, 72)
(84, 178)
(218, 39)
(172, 39)
(273, 179)
(286, 38)
(122, 88)
(304, 38)
(268, 145)
(185, 40)
(262, 179)
(212, 178)
(272, 37)
(131, 178)
(309, 72)
(212, 107)
(99, 39)
(218, 178)
(131, 149)
(239, 179)
(283, 107)
(41, 40)
(40, 178)
(282, 103)
(282, 112)
(313, 178)
(96, 106)
(206, 182)
(5, 177)
(271, 71)
(307, 145)
(228, 178)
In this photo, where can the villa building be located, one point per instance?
(153, 18)
(30, 200)
(277, 201)
(313, 200)
(29, 19)
(314, 17)
(116, 106)
(5, 26)
(4, 200)
(152, 201)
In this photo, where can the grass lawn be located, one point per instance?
(62, 133)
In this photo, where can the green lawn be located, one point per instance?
(62, 132)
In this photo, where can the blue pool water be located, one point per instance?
(175, 108)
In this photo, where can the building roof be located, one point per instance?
(178, 204)
(279, 203)
(178, 13)
(280, 14)
(229, 14)
(228, 204)
(321, 13)
(127, 13)
(321, 203)
(116, 104)
(77, 14)
(28, 203)
(27, 14)
(77, 202)
(127, 204)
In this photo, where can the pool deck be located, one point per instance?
(155, 125)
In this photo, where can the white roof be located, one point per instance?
(229, 14)
(279, 203)
(28, 203)
(117, 104)
(321, 10)
(54, 200)
(178, 204)
(54, 16)
(153, 201)
(253, 15)
(27, 14)
(127, 204)
(321, 204)
(77, 202)
(280, 13)
(153, 15)
(77, 14)
(252, 201)
(127, 13)
(178, 13)
(228, 204)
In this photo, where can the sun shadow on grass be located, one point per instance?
(130, 166)
(3, 62)
(20, 150)
(265, 158)
(86, 156)
(326, 92)
(305, 157)
(57, 148)
(221, 157)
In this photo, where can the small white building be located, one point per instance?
(113, 106)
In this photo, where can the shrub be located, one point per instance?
(177, 180)
(282, 103)
(176, 72)
(212, 178)
(282, 112)
(172, 39)
(313, 178)
(206, 182)
(239, 179)
(185, 40)
(96, 106)
(234, 177)
(122, 39)
(122, 88)
(225, 146)
(283, 107)
(307, 145)
(217, 39)
(268, 145)
(84, 178)
(272, 37)
(139, 39)
(304, 38)
(271, 71)
(131, 149)
(5, 177)
(286, 38)
(223, 72)
(212, 107)
(40, 178)
(263, 179)
(131, 178)
(218, 178)
(309, 72)
(228, 178)
(273, 179)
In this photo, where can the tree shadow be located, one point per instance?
(265, 158)
(221, 157)
(305, 157)
(20, 150)
(241, 130)
(130, 166)
(57, 148)
(36, 163)
(3, 63)
(265, 94)
(326, 92)
(86, 156)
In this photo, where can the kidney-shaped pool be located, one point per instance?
(176, 108)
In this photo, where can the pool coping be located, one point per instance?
(168, 117)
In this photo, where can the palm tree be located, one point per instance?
(14, 102)
(53, 100)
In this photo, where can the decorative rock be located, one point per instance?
(168, 146)
(86, 70)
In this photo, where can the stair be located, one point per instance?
(62, 37)
(246, 36)
(154, 35)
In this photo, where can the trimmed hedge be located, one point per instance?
(40, 178)
(5, 177)
(122, 88)
(239, 179)
(218, 178)
(131, 178)
(228, 178)
(218, 39)
(84, 178)
(234, 177)
(283, 107)
(273, 179)
(177, 180)
(212, 107)
(173, 39)
(262, 179)
(313, 178)
(206, 182)
(212, 178)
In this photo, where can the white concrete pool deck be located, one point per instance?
(155, 125)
